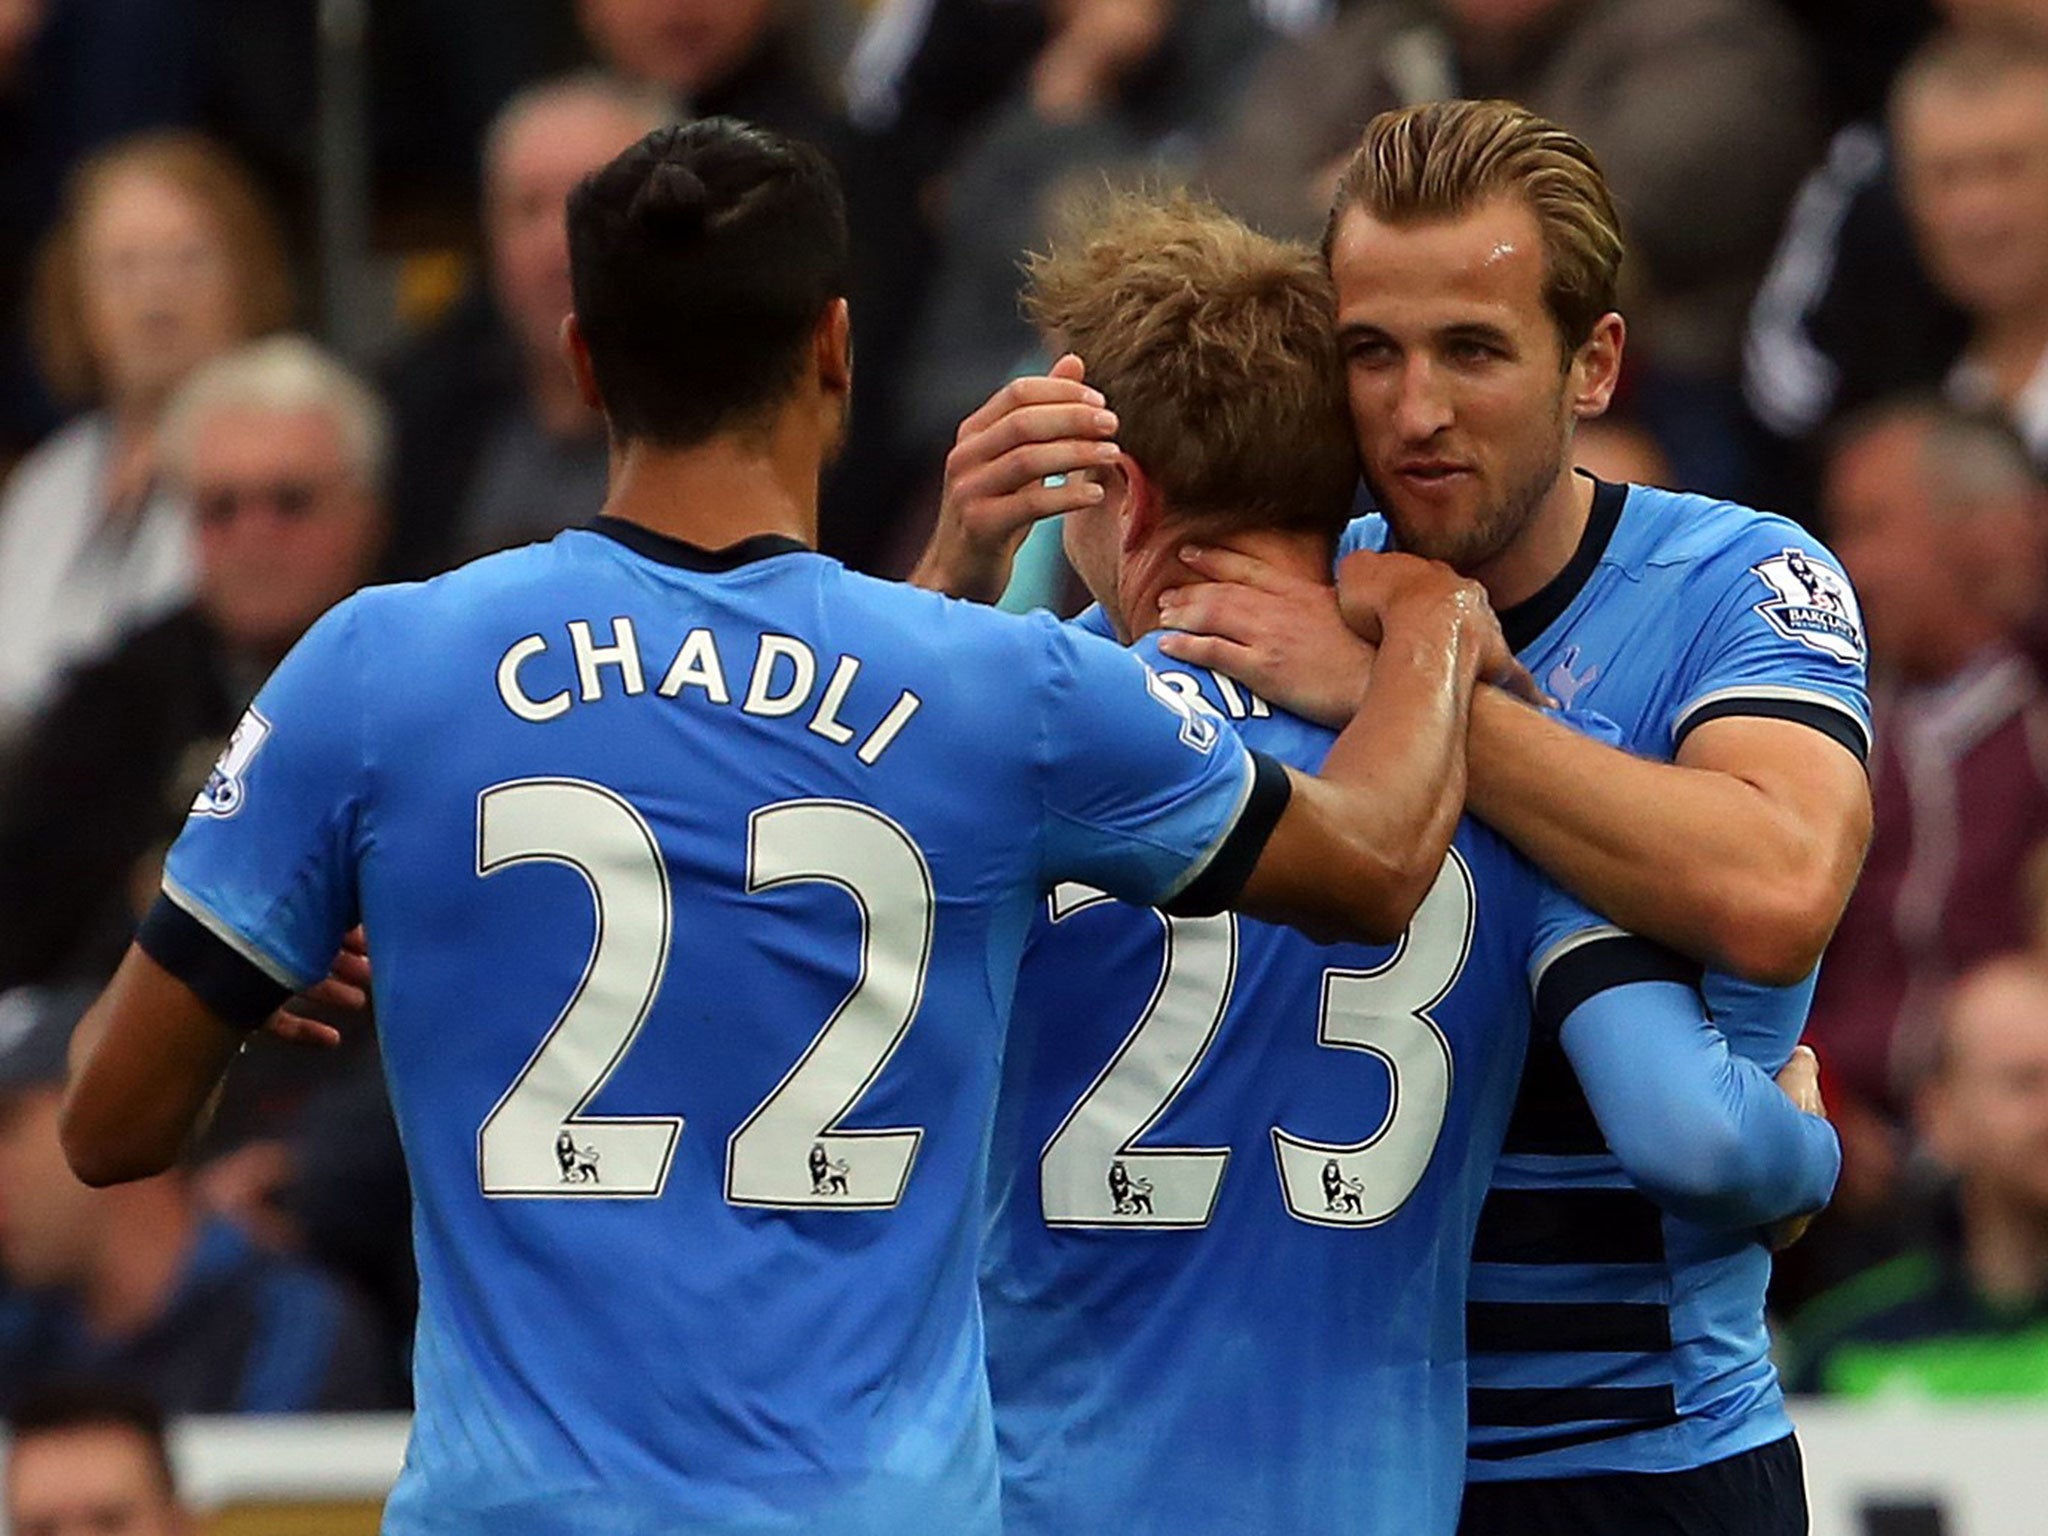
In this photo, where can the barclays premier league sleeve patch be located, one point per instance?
(222, 795)
(1812, 604)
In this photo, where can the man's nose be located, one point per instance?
(1422, 409)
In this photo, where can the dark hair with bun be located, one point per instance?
(702, 258)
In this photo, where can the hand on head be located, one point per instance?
(1033, 430)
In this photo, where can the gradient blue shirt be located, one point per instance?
(696, 883)
(1609, 1335)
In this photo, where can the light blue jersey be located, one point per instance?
(1234, 1185)
(1608, 1335)
(696, 884)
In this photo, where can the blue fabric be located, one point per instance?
(655, 1320)
(1226, 1354)
(1741, 1155)
(1687, 608)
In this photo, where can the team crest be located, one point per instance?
(1199, 724)
(1812, 604)
(222, 795)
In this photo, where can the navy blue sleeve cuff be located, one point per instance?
(240, 994)
(1604, 962)
(1832, 721)
(1218, 886)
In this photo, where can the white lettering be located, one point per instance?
(826, 721)
(623, 653)
(761, 696)
(891, 727)
(516, 698)
(697, 666)
(1233, 701)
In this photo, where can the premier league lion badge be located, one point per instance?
(1813, 604)
(222, 795)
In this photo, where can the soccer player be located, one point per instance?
(696, 869)
(1622, 1381)
(1236, 1174)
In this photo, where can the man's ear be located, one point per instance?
(832, 346)
(1133, 497)
(576, 352)
(1596, 367)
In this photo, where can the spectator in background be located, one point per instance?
(1848, 314)
(87, 1460)
(1702, 113)
(1970, 118)
(75, 75)
(1129, 85)
(163, 259)
(720, 58)
(495, 447)
(1939, 521)
(1966, 1312)
(135, 1285)
(280, 453)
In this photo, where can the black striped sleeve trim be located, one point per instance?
(1821, 713)
(1222, 879)
(1596, 961)
(1568, 1226)
(238, 992)
(1551, 1327)
(1541, 1407)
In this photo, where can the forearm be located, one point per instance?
(1699, 860)
(1702, 1131)
(1404, 752)
(1374, 824)
(131, 1109)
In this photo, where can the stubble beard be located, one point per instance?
(1470, 548)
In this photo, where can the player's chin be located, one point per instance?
(1435, 528)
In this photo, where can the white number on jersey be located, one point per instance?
(1385, 1011)
(1093, 1173)
(790, 1151)
(537, 1141)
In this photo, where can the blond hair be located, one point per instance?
(204, 172)
(1216, 348)
(1445, 158)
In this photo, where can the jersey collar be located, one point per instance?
(694, 557)
(1523, 624)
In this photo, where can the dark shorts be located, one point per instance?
(1758, 1493)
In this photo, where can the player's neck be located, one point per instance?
(1543, 548)
(1158, 567)
(731, 487)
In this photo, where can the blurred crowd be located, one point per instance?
(1838, 305)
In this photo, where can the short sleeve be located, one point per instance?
(1148, 794)
(1781, 638)
(264, 872)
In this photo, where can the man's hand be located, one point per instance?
(1278, 634)
(346, 988)
(1799, 1079)
(1031, 429)
(1370, 586)
(1287, 640)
